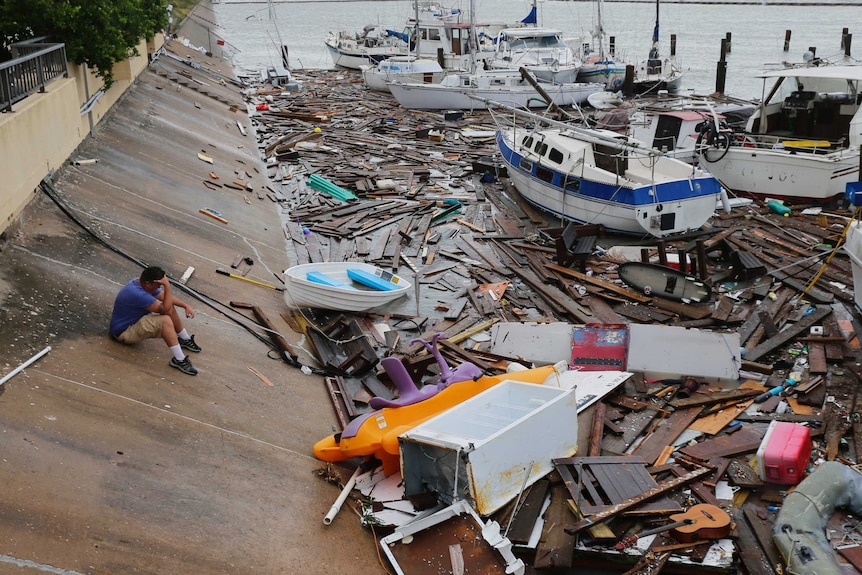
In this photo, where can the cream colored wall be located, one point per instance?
(35, 138)
(45, 128)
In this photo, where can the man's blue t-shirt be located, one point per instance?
(130, 305)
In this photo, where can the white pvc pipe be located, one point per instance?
(333, 511)
(24, 365)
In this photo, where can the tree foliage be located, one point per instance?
(98, 33)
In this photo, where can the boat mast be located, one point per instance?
(473, 40)
(282, 47)
(599, 32)
(416, 31)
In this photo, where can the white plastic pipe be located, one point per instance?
(348, 487)
(24, 365)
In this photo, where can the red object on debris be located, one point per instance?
(784, 453)
(599, 347)
(262, 107)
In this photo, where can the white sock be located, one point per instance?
(184, 334)
(178, 352)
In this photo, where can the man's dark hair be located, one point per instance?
(151, 274)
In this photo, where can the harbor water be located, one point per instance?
(252, 32)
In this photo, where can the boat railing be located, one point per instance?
(779, 142)
(32, 66)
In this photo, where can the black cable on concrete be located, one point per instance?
(50, 191)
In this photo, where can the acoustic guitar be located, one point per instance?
(701, 521)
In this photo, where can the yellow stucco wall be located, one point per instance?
(36, 137)
(44, 129)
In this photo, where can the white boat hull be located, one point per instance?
(300, 292)
(853, 248)
(542, 51)
(652, 84)
(463, 92)
(555, 74)
(401, 69)
(782, 174)
(802, 142)
(621, 218)
(677, 199)
(347, 53)
(610, 74)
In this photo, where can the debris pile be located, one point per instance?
(676, 462)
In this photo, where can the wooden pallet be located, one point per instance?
(598, 483)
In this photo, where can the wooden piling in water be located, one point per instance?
(846, 41)
(629, 81)
(612, 45)
(673, 44)
(728, 36)
(721, 68)
(786, 40)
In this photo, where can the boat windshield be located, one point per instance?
(524, 44)
(802, 88)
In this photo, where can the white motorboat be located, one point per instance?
(450, 37)
(801, 143)
(542, 51)
(435, 33)
(401, 69)
(602, 177)
(469, 90)
(343, 286)
(373, 44)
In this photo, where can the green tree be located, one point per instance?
(98, 33)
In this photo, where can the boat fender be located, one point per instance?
(800, 528)
(725, 200)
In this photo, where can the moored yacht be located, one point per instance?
(542, 51)
(801, 143)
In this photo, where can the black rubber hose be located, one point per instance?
(50, 191)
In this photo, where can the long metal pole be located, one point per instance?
(586, 135)
(24, 365)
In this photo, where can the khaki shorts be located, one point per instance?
(145, 328)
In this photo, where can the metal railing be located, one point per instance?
(34, 64)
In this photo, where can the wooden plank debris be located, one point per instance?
(422, 205)
(614, 510)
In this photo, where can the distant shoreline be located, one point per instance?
(704, 2)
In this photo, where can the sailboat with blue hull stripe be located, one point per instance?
(600, 177)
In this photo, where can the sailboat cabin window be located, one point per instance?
(544, 174)
(555, 156)
(541, 148)
(528, 142)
